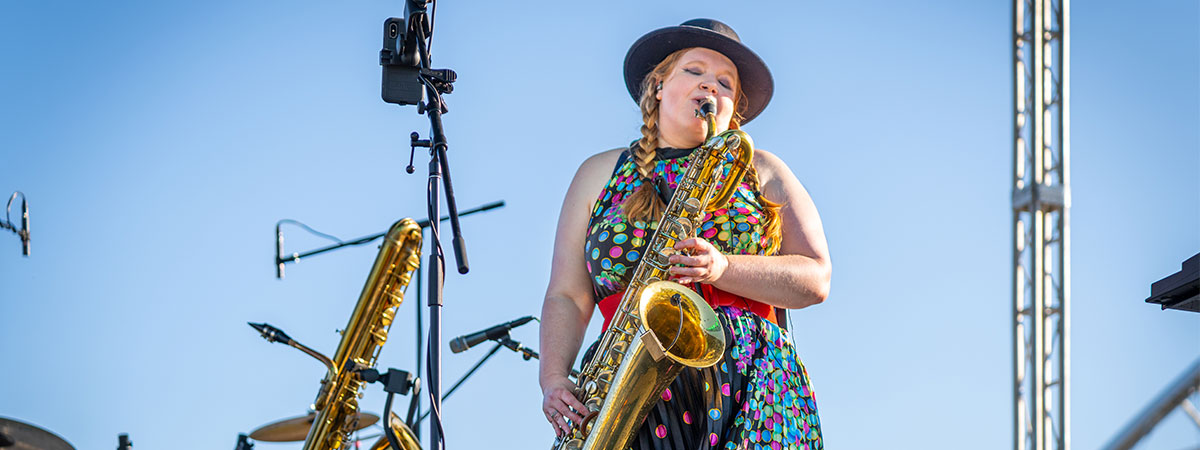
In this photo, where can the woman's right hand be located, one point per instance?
(560, 405)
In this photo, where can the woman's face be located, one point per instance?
(699, 73)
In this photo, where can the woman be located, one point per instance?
(763, 250)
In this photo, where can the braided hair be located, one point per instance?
(644, 204)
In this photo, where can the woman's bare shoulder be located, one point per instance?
(603, 160)
(598, 166)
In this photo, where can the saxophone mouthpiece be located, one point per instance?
(708, 106)
(270, 333)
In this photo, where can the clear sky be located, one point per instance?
(159, 142)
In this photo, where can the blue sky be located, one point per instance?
(158, 144)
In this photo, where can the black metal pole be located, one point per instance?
(420, 346)
(464, 377)
(435, 306)
(280, 260)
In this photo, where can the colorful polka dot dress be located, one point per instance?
(759, 395)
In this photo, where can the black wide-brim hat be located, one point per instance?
(649, 50)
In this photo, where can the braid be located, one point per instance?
(770, 211)
(644, 204)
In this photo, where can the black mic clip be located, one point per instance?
(394, 381)
(526, 352)
(441, 79)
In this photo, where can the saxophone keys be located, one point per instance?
(663, 256)
(733, 141)
(684, 228)
(717, 142)
(692, 206)
(593, 404)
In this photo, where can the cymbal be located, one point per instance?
(15, 435)
(296, 428)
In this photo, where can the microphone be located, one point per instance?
(24, 226)
(462, 343)
(708, 106)
(278, 253)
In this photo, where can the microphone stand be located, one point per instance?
(437, 83)
(280, 260)
(506, 341)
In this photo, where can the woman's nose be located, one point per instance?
(708, 86)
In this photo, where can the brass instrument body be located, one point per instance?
(659, 326)
(363, 338)
(405, 436)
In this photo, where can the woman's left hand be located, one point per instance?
(703, 264)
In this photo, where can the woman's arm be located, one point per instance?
(796, 277)
(568, 305)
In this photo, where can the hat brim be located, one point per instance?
(756, 81)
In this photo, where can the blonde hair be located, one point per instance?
(644, 204)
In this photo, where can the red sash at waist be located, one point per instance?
(715, 298)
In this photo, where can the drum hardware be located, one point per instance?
(17, 435)
(123, 442)
(394, 382)
(295, 429)
(243, 442)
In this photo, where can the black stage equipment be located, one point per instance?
(1180, 290)
(281, 260)
(123, 442)
(7, 224)
(411, 48)
(504, 340)
(462, 343)
(243, 442)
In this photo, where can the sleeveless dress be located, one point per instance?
(758, 396)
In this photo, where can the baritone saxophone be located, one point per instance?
(660, 326)
(362, 339)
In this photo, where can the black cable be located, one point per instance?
(387, 423)
(311, 230)
(432, 16)
(435, 232)
(433, 404)
(8, 209)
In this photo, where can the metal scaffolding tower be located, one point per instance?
(1041, 226)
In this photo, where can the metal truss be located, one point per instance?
(1041, 226)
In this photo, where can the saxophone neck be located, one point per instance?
(272, 334)
(317, 355)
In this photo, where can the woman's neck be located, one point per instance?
(677, 142)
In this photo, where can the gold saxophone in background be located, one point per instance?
(660, 326)
(362, 339)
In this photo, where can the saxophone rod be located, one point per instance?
(272, 334)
